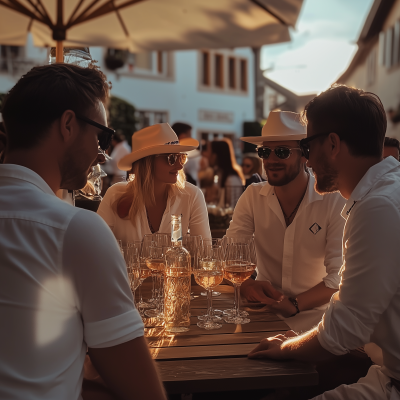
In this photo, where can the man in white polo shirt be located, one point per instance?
(345, 134)
(297, 231)
(63, 286)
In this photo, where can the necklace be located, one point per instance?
(287, 218)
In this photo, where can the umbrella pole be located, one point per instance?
(59, 51)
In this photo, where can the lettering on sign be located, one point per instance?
(216, 116)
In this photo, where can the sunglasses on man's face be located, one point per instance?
(171, 158)
(106, 134)
(305, 143)
(281, 152)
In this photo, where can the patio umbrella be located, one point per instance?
(146, 25)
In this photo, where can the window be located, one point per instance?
(243, 75)
(389, 46)
(205, 68)
(371, 67)
(160, 62)
(144, 61)
(232, 73)
(219, 71)
(146, 118)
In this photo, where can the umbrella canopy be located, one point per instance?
(145, 25)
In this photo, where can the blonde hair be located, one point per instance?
(141, 186)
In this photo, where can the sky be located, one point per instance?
(323, 44)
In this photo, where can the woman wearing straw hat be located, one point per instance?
(156, 189)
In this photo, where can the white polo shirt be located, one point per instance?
(298, 257)
(189, 202)
(63, 288)
(367, 306)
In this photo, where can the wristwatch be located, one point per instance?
(294, 301)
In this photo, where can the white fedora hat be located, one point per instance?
(155, 139)
(280, 125)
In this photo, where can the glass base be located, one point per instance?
(177, 329)
(145, 305)
(231, 311)
(208, 325)
(236, 320)
(214, 294)
(154, 313)
(214, 318)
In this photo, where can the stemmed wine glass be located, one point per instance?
(213, 242)
(238, 267)
(131, 256)
(208, 273)
(156, 263)
(192, 244)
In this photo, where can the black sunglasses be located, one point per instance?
(305, 143)
(171, 158)
(281, 152)
(106, 134)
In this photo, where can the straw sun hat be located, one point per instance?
(155, 139)
(280, 125)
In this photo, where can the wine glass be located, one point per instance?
(146, 243)
(208, 273)
(131, 256)
(238, 267)
(156, 263)
(241, 239)
(192, 245)
(212, 242)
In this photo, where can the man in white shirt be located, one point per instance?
(64, 287)
(297, 231)
(345, 134)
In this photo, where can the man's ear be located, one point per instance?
(68, 126)
(334, 145)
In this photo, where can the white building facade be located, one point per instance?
(212, 90)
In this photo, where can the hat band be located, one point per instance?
(172, 143)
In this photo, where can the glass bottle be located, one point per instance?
(177, 282)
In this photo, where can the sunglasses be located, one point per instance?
(171, 158)
(305, 143)
(281, 152)
(106, 134)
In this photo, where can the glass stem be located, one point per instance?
(140, 293)
(153, 291)
(209, 304)
(160, 294)
(237, 299)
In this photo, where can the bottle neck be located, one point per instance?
(176, 232)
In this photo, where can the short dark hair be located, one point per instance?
(357, 117)
(180, 127)
(43, 94)
(391, 142)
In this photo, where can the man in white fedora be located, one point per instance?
(297, 231)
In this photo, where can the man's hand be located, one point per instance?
(260, 291)
(270, 348)
(284, 307)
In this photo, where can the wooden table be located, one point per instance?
(209, 361)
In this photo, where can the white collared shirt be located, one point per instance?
(63, 287)
(189, 202)
(367, 306)
(298, 257)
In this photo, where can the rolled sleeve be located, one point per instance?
(113, 331)
(370, 276)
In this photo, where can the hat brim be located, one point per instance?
(261, 139)
(125, 163)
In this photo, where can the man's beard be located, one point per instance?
(74, 172)
(325, 178)
(291, 173)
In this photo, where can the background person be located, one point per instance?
(156, 190)
(345, 133)
(52, 308)
(391, 147)
(252, 168)
(230, 176)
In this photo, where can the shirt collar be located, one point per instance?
(373, 175)
(24, 174)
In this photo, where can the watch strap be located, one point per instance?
(294, 301)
